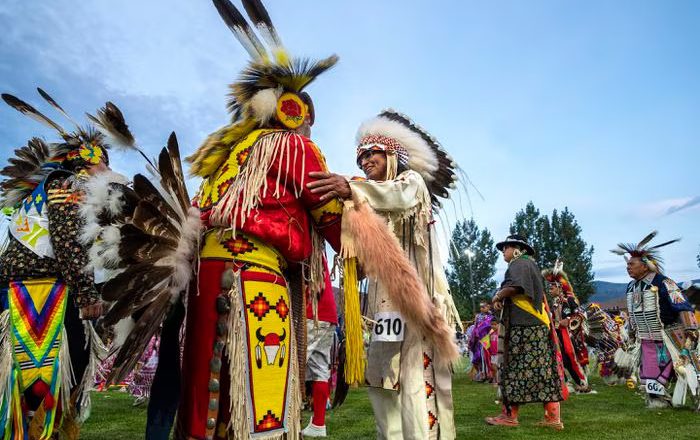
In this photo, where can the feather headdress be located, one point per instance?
(255, 96)
(83, 146)
(648, 254)
(26, 170)
(557, 275)
(397, 134)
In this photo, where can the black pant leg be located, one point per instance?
(165, 390)
(79, 354)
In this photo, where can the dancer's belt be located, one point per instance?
(243, 248)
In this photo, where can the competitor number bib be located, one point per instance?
(389, 327)
(654, 387)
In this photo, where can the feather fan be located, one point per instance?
(154, 240)
(104, 202)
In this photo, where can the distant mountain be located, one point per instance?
(611, 293)
(607, 292)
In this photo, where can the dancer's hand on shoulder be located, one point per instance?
(329, 185)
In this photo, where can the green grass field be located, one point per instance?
(613, 413)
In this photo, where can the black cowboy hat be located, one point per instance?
(516, 240)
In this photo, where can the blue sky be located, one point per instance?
(592, 105)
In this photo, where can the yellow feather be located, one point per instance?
(213, 160)
(237, 131)
(216, 147)
(281, 56)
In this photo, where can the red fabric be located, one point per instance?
(493, 336)
(552, 411)
(200, 334)
(570, 352)
(49, 402)
(224, 400)
(327, 309)
(40, 389)
(284, 222)
(557, 353)
(320, 392)
(580, 348)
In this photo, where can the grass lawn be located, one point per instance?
(613, 413)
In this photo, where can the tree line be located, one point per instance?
(473, 255)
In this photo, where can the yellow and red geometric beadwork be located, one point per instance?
(268, 330)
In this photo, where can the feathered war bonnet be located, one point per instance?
(78, 149)
(268, 92)
(556, 275)
(648, 254)
(409, 146)
(366, 235)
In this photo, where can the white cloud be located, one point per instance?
(693, 202)
(659, 208)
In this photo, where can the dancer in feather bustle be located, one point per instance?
(413, 325)
(261, 250)
(263, 242)
(144, 238)
(569, 322)
(663, 324)
(46, 330)
(607, 336)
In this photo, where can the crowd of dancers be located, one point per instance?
(219, 306)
